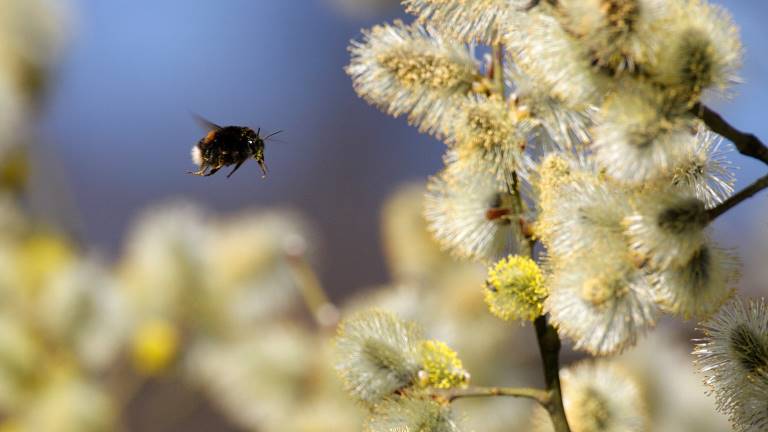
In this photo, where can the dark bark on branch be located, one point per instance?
(734, 200)
(533, 3)
(747, 143)
(549, 347)
(539, 396)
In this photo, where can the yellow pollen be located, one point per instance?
(442, 367)
(591, 412)
(600, 289)
(515, 289)
(415, 71)
(155, 344)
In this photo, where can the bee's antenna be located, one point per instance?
(205, 123)
(272, 134)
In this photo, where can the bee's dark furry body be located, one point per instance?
(229, 145)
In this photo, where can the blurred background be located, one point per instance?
(116, 118)
(110, 130)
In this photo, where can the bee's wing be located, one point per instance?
(205, 123)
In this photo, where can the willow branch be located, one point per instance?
(498, 69)
(549, 341)
(549, 347)
(317, 301)
(747, 144)
(533, 3)
(538, 395)
(498, 79)
(734, 200)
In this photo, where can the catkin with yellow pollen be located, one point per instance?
(515, 289)
(600, 302)
(554, 171)
(406, 69)
(598, 397)
(11, 425)
(430, 71)
(404, 414)
(602, 288)
(619, 35)
(472, 214)
(155, 345)
(441, 366)
(467, 21)
(490, 135)
(377, 354)
(732, 356)
(704, 52)
(39, 258)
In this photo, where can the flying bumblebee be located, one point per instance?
(228, 145)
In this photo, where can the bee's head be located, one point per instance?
(254, 141)
(251, 135)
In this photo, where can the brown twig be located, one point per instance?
(549, 347)
(549, 341)
(498, 69)
(747, 143)
(734, 200)
(538, 395)
(324, 312)
(533, 3)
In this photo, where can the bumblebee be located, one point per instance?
(228, 145)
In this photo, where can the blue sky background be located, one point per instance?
(117, 122)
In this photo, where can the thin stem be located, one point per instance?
(498, 79)
(520, 211)
(549, 341)
(498, 69)
(734, 200)
(538, 395)
(533, 3)
(549, 347)
(124, 386)
(317, 301)
(747, 143)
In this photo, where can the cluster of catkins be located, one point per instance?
(194, 302)
(576, 140)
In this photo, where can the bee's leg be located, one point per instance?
(200, 172)
(263, 167)
(212, 171)
(236, 167)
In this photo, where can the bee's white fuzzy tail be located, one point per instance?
(197, 157)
